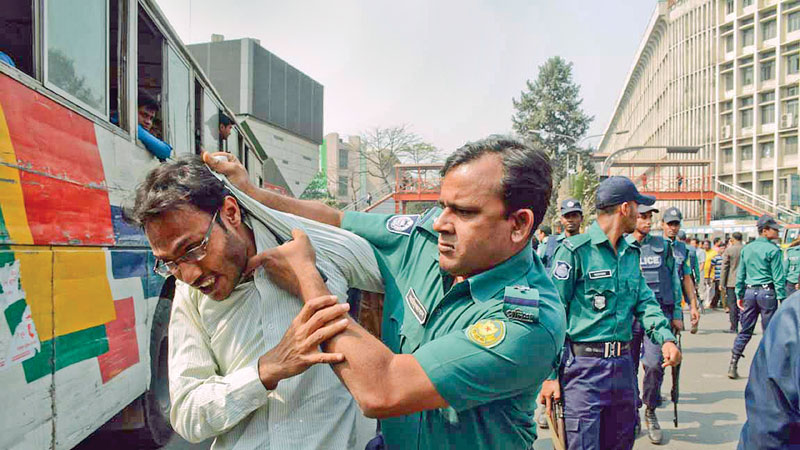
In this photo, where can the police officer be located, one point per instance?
(791, 264)
(760, 285)
(599, 280)
(571, 219)
(671, 226)
(471, 323)
(772, 396)
(659, 268)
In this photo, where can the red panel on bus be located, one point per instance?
(123, 348)
(60, 170)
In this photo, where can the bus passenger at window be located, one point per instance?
(225, 126)
(147, 108)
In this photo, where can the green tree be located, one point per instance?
(548, 112)
(317, 189)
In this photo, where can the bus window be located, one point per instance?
(76, 36)
(118, 72)
(232, 143)
(210, 124)
(16, 34)
(150, 45)
(198, 117)
(179, 105)
(254, 168)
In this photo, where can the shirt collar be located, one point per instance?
(486, 285)
(599, 236)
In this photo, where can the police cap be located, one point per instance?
(766, 221)
(672, 214)
(615, 190)
(643, 209)
(570, 205)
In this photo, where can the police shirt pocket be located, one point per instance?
(600, 293)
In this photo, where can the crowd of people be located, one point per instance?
(476, 326)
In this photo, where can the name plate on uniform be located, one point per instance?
(596, 274)
(419, 311)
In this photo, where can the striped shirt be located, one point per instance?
(215, 345)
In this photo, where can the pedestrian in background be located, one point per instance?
(543, 235)
(708, 275)
(716, 263)
(760, 286)
(730, 265)
(791, 264)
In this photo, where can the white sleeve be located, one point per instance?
(352, 254)
(204, 404)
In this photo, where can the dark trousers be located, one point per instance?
(756, 301)
(599, 402)
(651, 360)
(733, 314)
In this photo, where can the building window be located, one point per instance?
(342, 186)
(727, 81)
(76, 51)
(746, 3)
(767, 70)
(769, 30)
(343, 158)
(790, 107)
(746, 153)
(766, 150)
(728, 43)
(793, 23)
(767, 114)
(727, 155)
(790, 145)
(765, 188)
(747, 76)
(747, 37)
(793, 63)
(728, 6)
(747, 118)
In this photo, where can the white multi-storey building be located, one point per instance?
(722, 76)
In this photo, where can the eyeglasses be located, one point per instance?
(194, 254)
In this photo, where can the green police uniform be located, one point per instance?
(603, 290)
(792, 264)
(671, 267)
(486, 344)
(761, 264)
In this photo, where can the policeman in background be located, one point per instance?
(695, 272)
(760, 285)
(598, 277)
(571, 219)
(772, 396)
(671, 226)
(791, 264)
(659, 269)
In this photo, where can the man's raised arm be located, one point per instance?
(228, 165)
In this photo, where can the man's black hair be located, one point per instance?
(148, 101)
(185, 181)
(738, 236)
(546, 229)
(527, 176)
(224, 120)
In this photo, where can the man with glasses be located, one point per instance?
(245, 365)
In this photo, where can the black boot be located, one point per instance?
(653, 428)
(733, 373)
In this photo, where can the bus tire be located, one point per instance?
(157, 430)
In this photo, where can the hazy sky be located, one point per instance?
(447, 68)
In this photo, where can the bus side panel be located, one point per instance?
(60, 171)
(111, 362)
(26, 353)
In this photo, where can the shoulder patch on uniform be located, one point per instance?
(596, 274)
(573, 242)
(562, 270)
(521, 303)
(402, 224)
(487, 333)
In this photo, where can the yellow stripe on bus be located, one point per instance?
(11, 199)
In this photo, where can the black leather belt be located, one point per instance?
(601, 349)
(761, 286)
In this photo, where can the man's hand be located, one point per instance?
(694, 314)
(672, 356)
(227, 164)
(549, 393)
(289, 264)
(740, 303)
(677, 326)
(319, 320)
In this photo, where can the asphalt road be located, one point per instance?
(711, 408)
